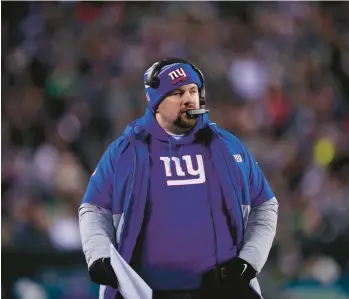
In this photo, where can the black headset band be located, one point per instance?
(158, 67)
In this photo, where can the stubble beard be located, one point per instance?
(184, 123)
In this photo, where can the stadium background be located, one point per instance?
(71, 76)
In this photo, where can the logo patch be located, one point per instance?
(238, 158)
(178, 75)
(190, 176)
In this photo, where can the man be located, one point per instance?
(183, 200)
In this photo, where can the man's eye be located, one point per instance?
(194, 91)
(176, 94)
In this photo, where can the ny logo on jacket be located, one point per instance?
(198, 175)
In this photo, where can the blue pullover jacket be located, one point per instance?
(118, 191)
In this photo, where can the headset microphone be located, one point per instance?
(196, 112)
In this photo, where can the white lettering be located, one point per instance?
(179, 169)
(199, 172)
(173, 75)
(166, 161)
(177, 73)
(181, 72)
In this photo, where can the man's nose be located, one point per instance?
(187, 98)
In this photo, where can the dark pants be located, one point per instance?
(230, 292)
(216, 284)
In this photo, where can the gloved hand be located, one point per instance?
(239, 273)
(101, 272)
(241, 270)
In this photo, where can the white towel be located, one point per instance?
(131, 285)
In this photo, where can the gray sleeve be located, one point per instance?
(96, 230)
(259, 233)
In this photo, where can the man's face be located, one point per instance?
(172, 109)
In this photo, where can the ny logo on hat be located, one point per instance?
(178, 75)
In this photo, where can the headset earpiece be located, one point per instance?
(152, 77)
(154, 82)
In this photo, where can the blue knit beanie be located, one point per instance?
(171, 77)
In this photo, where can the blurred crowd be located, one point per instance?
(277, 76)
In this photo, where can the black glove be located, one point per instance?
(241, 270)
(101, 272)
(240, 274)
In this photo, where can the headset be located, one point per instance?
(153, 81)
